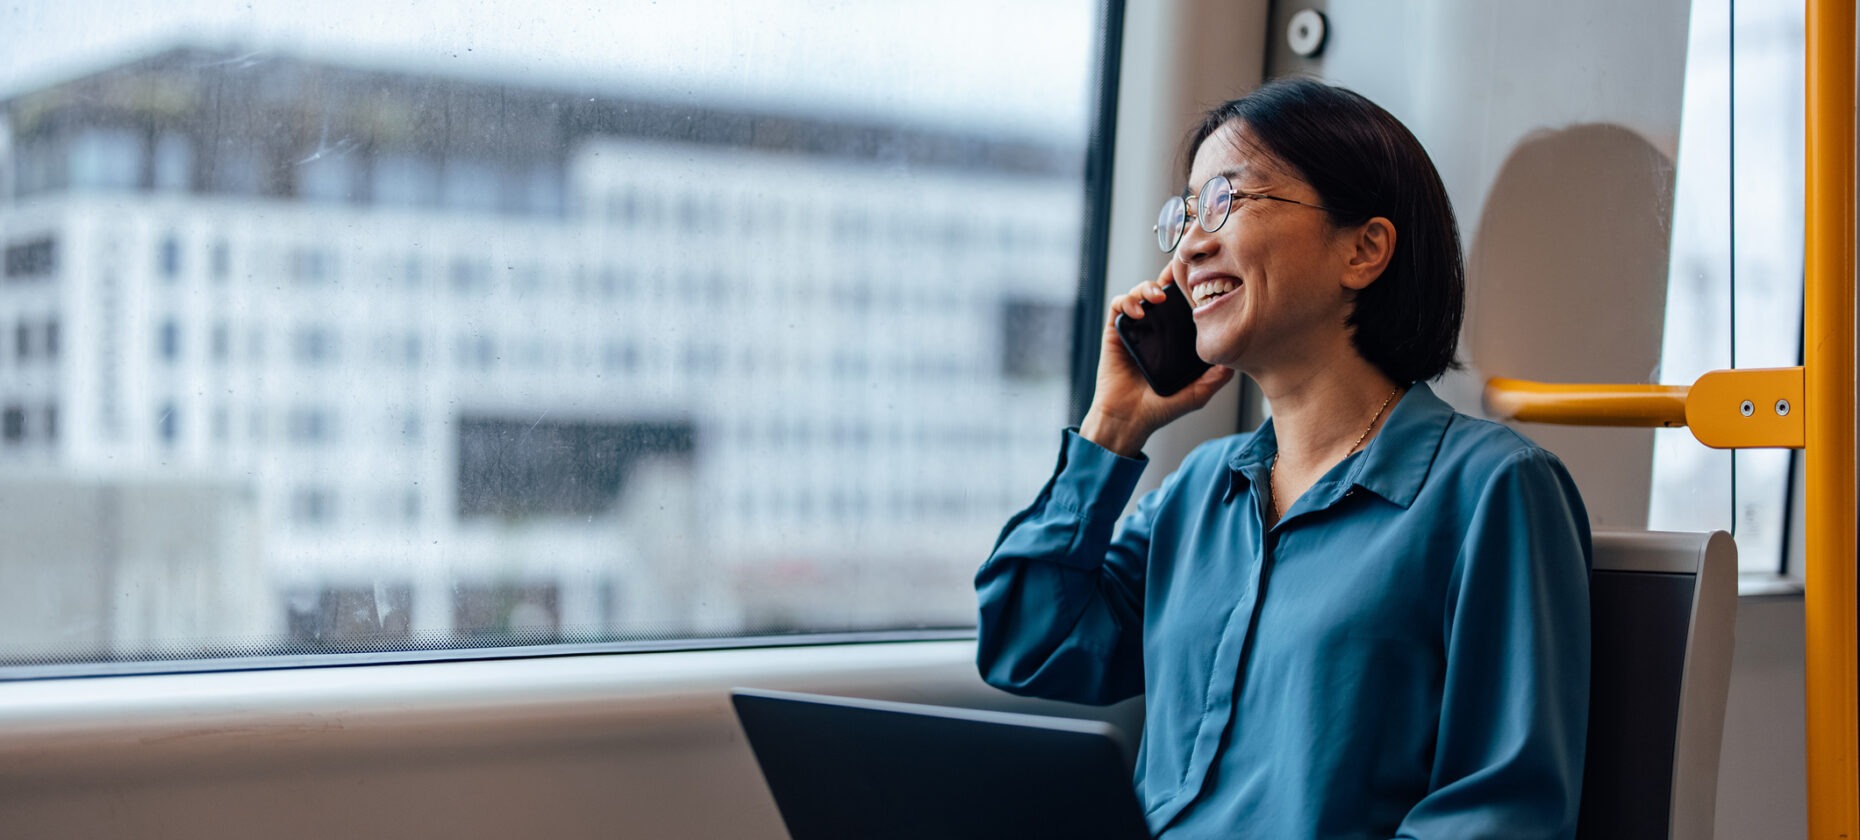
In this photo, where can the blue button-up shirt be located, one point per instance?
(1405, 654)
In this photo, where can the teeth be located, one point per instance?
(1212, 289)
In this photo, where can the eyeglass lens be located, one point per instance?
(1217, 197)
(1211, 208)
(1171, 222)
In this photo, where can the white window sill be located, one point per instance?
(1763, 584)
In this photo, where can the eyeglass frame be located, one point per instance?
(1200, 217)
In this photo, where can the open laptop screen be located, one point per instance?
(845, 768)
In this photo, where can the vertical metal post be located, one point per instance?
(1833, 689)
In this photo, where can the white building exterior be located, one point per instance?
(807, 387)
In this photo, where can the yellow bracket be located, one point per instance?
(1755, 408)
(1726, 409)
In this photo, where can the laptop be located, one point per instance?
(843, 768)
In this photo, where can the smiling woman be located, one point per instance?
(1421, 667)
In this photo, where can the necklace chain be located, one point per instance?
(1272, 472)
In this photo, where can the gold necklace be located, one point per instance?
(1272, 472)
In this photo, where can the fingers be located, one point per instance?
(1131, 303)
(1210, 383)
(1215, 377)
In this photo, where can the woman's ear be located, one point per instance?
(1371, 246)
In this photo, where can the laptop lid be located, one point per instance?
(847, 768)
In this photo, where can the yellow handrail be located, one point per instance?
(1833, 690)
(1586, 405)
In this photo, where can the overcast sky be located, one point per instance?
(1013, 64)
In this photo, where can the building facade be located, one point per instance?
(490, 364)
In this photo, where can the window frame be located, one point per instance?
(1083, 355)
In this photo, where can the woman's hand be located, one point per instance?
(1124, 411)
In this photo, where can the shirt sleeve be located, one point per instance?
(1061, 599)
(1514, 705)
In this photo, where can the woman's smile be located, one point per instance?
(1205, 290)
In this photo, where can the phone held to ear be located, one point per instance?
(1162, 342)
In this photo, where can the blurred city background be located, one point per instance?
(313, 349)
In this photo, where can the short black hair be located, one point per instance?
(1364, 163)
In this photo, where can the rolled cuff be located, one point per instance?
(1093, 481)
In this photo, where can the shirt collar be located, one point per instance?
(1395, 463)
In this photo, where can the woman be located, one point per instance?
(1369, 618)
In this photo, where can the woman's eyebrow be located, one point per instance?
(1233, 174)
(1238, 174)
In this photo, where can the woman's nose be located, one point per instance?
(1196, 244)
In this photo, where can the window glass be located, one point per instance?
(174, 161)
(419, 326)
(328, 177)
(1734, 297)
(105, 158)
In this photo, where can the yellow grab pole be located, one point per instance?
(1585, 405)
(1833, 686)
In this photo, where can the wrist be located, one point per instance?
(1121, 437)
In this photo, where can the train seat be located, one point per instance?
(1663, 618)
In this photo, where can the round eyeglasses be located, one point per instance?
(1212, 206)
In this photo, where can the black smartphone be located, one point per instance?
(1162, 342)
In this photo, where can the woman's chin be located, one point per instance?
(1214, 348)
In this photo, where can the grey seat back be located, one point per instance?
(1663, 616)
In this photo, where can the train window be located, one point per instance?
(1734, 294)
(670, 324)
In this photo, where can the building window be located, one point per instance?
(503, 609)
(106, 158)
(167, 424)
(415, 272)
(13, 424)
(350, 618)
(236, 169)
(314, 346)
(312, 266)
(542, 191)
(470, 185)
(405, 180)
(31, 260)
(169, 261)
(221, 261)
(470, 276)
(474, 352)
(309, 426)
(313, 506)
(51, 423)
(51, 339)
(174, 162)
(168, 341)
(327, 176)
(1036, 339)
(22, 342)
